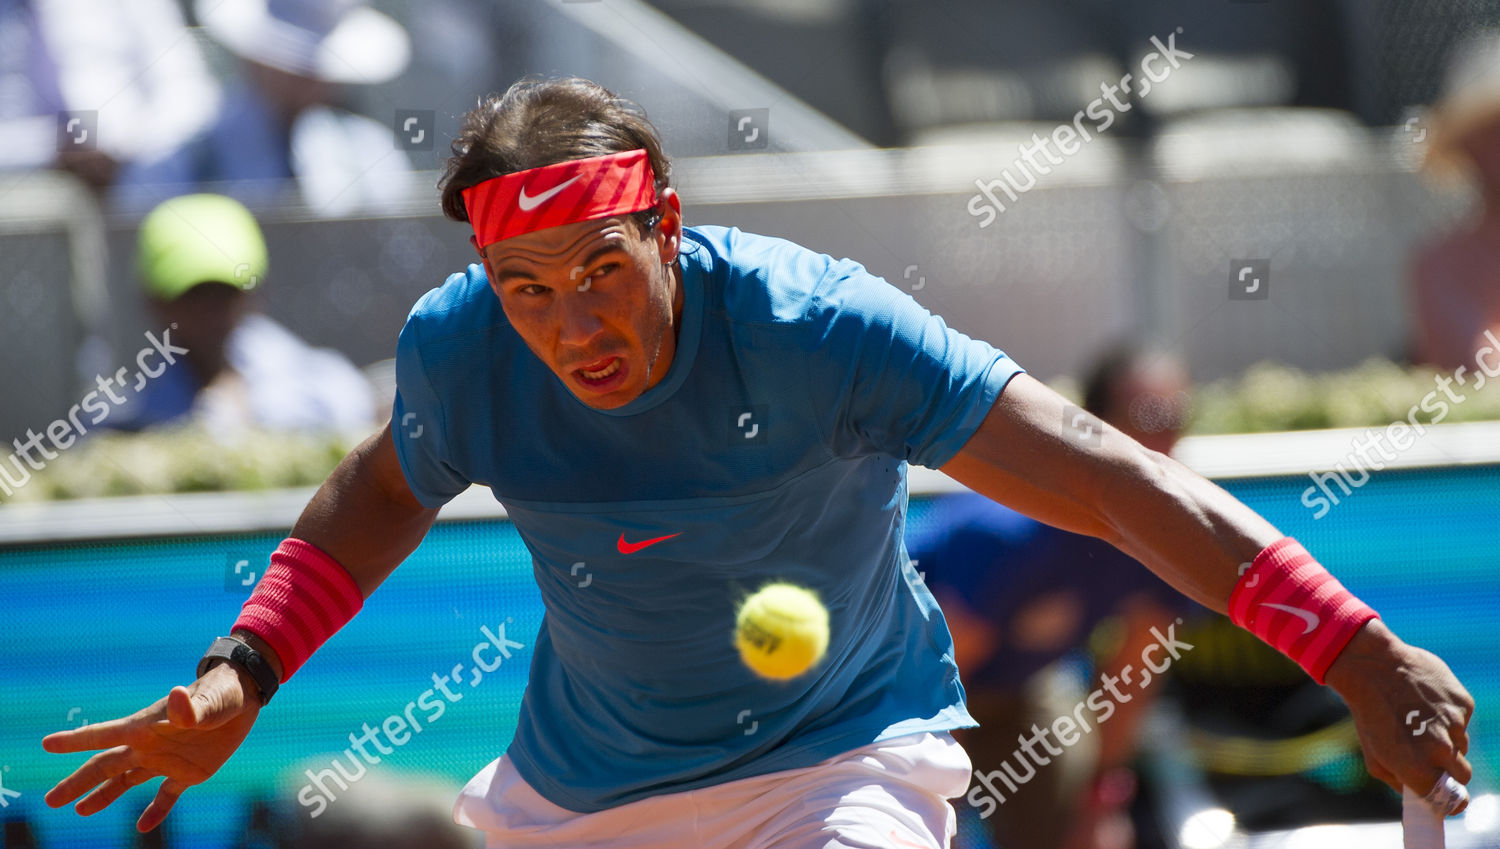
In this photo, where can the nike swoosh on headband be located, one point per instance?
(527, 203)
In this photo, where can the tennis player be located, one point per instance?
(692, 412)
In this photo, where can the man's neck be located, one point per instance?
(662, 362)
(677, 298)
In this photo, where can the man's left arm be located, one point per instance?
(1197, 537)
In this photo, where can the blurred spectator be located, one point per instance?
(380, 811)
(1456, 279)
(1021, 597)
(281, 120)
(93, 85)
(200, 256)
(1275, 748)
(18, 834)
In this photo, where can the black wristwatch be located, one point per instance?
(238, 652)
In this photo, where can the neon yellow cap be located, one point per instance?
(201, 238)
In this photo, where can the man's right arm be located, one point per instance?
(365, 517)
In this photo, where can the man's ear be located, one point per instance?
(669, 229)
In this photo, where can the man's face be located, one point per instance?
(202, 319)
(597, 301)
(1482, 144)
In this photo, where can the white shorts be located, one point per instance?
(889, 795)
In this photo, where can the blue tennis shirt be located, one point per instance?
(775, 448)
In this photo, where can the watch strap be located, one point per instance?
(237, 651)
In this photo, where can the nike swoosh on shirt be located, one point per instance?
(527, 204)
(633, 547)
(1305, 615)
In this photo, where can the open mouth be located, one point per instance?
(604, 375)
(601, 370)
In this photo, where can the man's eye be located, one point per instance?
(606, 269)
(531, 289)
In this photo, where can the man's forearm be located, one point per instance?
(364, 517)
(1196, 536)
(1183, 527)
(1186, 528)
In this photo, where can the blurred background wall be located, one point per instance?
(1287, 146)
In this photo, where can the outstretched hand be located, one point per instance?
(1412, 714)
(183, 738)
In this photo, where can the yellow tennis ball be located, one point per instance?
(781, 631)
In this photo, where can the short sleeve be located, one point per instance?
(419, 432)
(903, 382)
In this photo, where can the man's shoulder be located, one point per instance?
(464, 305)
(766, 279)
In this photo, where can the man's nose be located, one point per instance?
(580, 321)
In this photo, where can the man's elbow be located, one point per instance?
(1144, 483)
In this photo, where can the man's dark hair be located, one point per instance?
(541, 122)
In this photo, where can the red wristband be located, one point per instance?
(304, 598)
(1291, 602)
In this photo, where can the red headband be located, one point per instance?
(564, 193)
